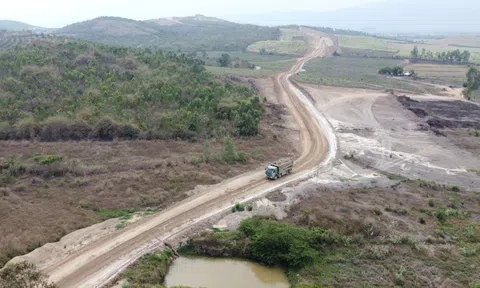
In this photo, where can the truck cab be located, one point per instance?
(272, 172)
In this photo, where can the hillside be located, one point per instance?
(15, 25)
(59, 91)
(175, 34)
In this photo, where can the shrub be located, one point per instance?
(431, 203)
(27, 129)
(377, 211)
(455, 189)
(127, 131)
(105, 129)
(48, 159)
(422, 221)
(238, 207)
(242, 157)
(441, 215)
(22, 275)
(196, 160)
(229, 154)
(149, 271)
(79, 130)
(399, 278)
(275, 243)
(56, 128)
(6, 131)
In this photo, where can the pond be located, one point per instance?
(221, 273)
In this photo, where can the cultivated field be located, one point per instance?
(439, 73)
(269, 64)
(289, 43)
(403, 48)
(358, 73)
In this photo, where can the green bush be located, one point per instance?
(441, 215)
(229, 154)
(148, 271)
(275, 243)
(431, 203)
(47, 159)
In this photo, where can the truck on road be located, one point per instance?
(279, 168)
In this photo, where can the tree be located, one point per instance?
(224, 60)
(23, 275)
(466, 56)
(207, 151)
(229, 154)
(473, 81)
(385, 71)
(414, 53)
(397, 71)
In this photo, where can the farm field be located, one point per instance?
(358, 73)
(288, 44)
(440, 74)
(403, 48)
(270, 64)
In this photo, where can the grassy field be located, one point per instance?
(288, 44)
(357, 73)
(295, 47)
(440, 74)
(403, 48)
(270, 64)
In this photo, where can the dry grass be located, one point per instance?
(37, 208)
(395, 230)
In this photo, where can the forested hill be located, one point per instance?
(187, 34)
(60, 90)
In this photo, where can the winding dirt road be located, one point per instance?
(96, 264)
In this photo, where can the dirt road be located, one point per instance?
(99, 262)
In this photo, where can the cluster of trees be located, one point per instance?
(58, 91)
(226, 60)
(280, 244)
(395, 71)
(473, 81)
(455, 56)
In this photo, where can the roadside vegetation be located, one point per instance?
(23, 275)
(435, 239)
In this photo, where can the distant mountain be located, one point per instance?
(395, 16)
(15, 25)
(10, 25)
(186, 34)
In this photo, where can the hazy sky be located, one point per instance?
(58, 13)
